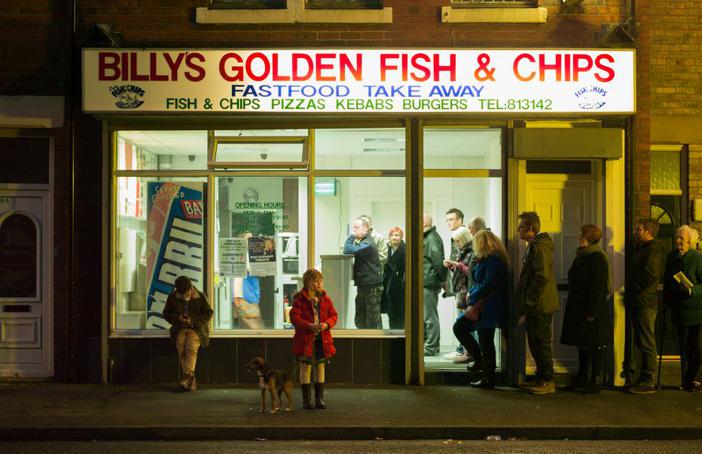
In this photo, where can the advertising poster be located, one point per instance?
(232, 257)
(262, 256)
(175, 242)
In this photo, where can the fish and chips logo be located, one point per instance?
(591, 98)
(128, 96)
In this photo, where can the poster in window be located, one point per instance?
(262, 256)
(175, 242)
(232, 257)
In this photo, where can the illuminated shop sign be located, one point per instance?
(355, 81)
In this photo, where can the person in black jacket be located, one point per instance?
(393, 302)
(367, 275)
(641, 300)
(685, 301)
(586, 323)
(189, 314)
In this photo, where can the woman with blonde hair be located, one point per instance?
(487, 305)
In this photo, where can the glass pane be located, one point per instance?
(260, 250)
(351, 149)
(665, 170)
(452, 148)
(336, 212)
(18, 257)
(473, 197)
(262, 133)
(248, 4)
(344, 4)
(161, 150)
(160, 236)
(260, 153)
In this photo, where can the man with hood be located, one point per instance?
(537, 299)
(434, 278)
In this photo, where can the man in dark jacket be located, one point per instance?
(641, 299)
(189, 314)
(367, 275)
(537, 299)
(434, 279)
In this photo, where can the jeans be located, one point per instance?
(368, 308)
(539, 333)
(432, 330)
(643, 326)
(187, 345)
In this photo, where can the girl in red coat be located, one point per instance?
(314, 316)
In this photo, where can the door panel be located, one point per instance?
(24, 296)
(564, 203)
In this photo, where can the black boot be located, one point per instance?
(583, 365)
(306, 402)
(319, 396)
(595, 384)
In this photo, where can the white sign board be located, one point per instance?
(352, 81)
(232, 257)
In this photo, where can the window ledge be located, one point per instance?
(295, 13)
(493, 15)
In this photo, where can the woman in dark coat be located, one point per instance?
(393, 302)
(587, 321)
(686, 304)
(313, 316)
(486, 305)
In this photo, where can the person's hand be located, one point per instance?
(589, 319)
(323, 327)
(314, 327)
(185, 320)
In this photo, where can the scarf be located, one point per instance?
(596, 249)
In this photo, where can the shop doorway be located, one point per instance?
(25, 299)
(566, 195)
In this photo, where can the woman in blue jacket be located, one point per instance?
(487, 305)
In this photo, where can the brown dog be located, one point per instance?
(274, 381)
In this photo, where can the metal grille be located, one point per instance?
(493, 3)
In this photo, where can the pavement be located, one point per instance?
(59, 411)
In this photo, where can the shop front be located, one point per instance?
(242, 169)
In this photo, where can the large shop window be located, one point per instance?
(240, 212)
(160, 235)
(339, 203)
(261, 238)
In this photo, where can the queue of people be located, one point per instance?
(476, 274)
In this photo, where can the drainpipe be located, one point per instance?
(70, 131)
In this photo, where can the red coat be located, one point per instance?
(302, 316)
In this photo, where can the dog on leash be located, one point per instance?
(273, 381)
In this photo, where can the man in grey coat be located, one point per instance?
(434, 279)
(537, 299)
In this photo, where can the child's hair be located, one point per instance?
(310, 276)
(183, 284)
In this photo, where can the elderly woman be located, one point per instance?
(486, 305)
(461, 282)
(393, 301)
(587, 320)
(684, 296)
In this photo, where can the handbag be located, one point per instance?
(472, 313)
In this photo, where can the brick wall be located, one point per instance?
(676, 72)
(415, 23)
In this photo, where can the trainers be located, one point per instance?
(545, 387)
(463, 359)
(643, 388)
